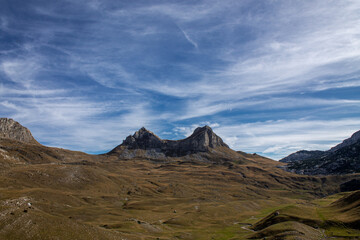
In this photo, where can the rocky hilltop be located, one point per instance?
(10, 129)
(344, 158)
(302, 155)
(202, 140)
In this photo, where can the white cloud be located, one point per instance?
(213, 105)
(107, 74)
(192, 42)
(21, 71)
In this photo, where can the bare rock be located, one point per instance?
(11, 129)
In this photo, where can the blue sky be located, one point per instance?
(270, 77)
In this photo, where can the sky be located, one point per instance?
(270, 77)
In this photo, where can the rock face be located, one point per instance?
(344, 158)
(202, 140)
(142, 139)
(347, 142)
(11, 129)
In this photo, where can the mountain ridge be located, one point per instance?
(355, 137)
(343, 158)
(309, 154)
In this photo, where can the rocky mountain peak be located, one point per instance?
(205, 128)
(201, 140)
(143, 133)
(11, 129)
(142, 139)
(205, 137)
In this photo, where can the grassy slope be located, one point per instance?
(336, 216)
(78, 196)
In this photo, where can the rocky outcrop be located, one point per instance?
(202, 140)
(347, 142)
(10, 129)
(302, 155)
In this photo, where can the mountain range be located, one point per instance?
(150, 188)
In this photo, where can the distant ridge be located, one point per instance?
(10, 129)
(344, 158)
(202, 140)
(349, 141)
(302, 155)
(305, 154)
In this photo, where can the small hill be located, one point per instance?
(337, 216)
(11, 129)
(352, 199)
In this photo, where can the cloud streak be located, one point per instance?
(174, 65)
(188, 38)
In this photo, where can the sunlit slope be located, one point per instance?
(337, 216)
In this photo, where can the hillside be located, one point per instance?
(211, 192)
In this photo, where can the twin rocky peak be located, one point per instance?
(202, 140)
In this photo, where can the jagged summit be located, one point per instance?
(202, 140)
(11, 129)
(206, 138)
(142, 139)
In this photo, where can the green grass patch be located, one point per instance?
(323, 202)
(320, 214)
(264, 212)
(342, 232)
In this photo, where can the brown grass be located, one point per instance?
(74, 195)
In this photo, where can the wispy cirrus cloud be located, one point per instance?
(189, 39)
(176, 64)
